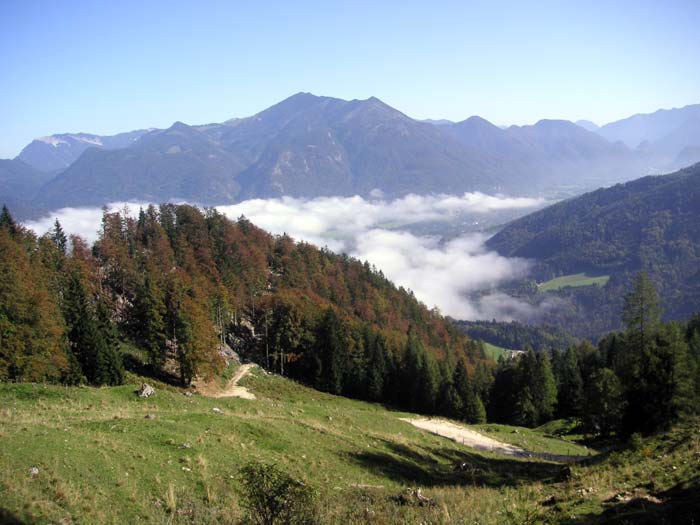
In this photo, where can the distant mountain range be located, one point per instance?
(650, 224)
(666, 139)
(311, 146)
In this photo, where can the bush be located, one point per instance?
(635, 441)
(270, 496)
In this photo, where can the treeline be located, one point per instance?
(181, 284)
(517, 336)
(637, 380)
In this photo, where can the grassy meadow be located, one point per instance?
(573, 280)
(106, 456)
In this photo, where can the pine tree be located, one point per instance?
(58, 236)
(100, 362)
(474, 411)
(603, 405)
(376, 368)
(544, 389)
(570, 385)
(330, 353)
(462, 388)
(7, 222)
(147, 321)
(641, 312)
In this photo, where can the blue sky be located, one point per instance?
(106, 67)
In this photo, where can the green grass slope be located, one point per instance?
(106, 456)
(573, 280)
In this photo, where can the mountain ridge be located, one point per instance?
(310, 146)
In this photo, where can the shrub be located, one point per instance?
(635, 441)
(270, 496)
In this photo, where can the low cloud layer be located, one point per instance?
(440, 273)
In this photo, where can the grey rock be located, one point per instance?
(146, 390)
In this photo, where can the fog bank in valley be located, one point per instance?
(442, 272)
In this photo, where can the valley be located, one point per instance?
(349, 263)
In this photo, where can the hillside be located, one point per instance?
(309, 146)
(650, 224)
(19, 183)
(181, 288)
(517, 336)
(56, 152)
(106, 456)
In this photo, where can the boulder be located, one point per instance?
(146, 390)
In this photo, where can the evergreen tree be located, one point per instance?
(569, 385)
(100, 362)
(147, 321)
(420, 375)
(603, 405)
(544, 389)
(330, 353)
(376, 367)
(641, 312)
(474, 411)
(462, 388)
(58, 236)
(7, 222)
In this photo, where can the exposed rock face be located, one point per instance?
(146, 390)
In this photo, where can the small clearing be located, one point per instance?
(473, 439)
(232, 389)
(574, 280)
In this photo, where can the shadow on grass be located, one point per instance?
(7, 518)
(437, 467)
(133, 363)
(679, 505)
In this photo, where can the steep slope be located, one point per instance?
(57, 152)
(650, 224)
(338, 147)
(19, 183)
(180, 162)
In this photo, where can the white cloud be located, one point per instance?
(440, 273)
(85, 222)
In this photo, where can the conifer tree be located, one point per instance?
(544, 389)
(330, 352)
(100, 362)
(147, 321)
(603, 405)
(376, 367)
(7, 222)
(570, 385)
(641, 312)
(58, 236)
(474, 411)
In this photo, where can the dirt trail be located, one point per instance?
(474, 439)
(232, 389)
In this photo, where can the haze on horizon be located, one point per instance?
(108, 68)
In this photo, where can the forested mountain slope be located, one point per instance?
(650, 224)
(171, 289)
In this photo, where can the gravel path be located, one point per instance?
(474, 439)
(232, 389)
